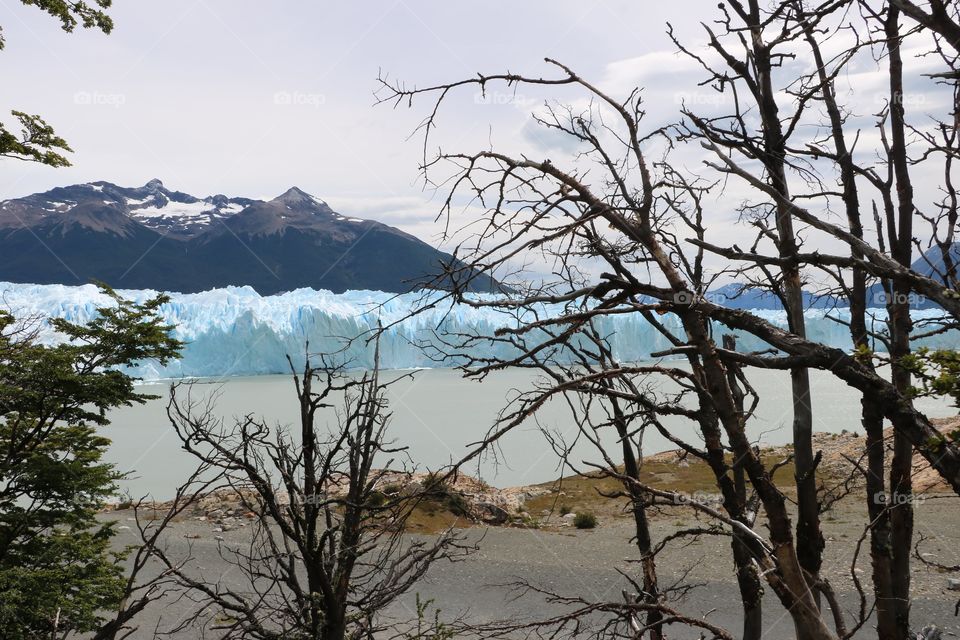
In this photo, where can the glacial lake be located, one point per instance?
(438, 414)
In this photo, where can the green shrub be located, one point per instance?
(438, 491)
(376, 499)
(585, 521)
(392, 488)
(565, 509)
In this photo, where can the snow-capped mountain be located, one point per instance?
(157, 238)
(172, 213)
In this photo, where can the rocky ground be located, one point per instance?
(528, 533)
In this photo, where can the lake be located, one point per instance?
(438, 414)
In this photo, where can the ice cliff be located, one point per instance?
(235, 331)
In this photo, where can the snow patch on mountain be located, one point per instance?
(176, 210)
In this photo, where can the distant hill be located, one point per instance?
(744, 297)
(738, 296)
(150, 237)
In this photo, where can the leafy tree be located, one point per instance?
(57, 571)
(37, 141)
(71, 14)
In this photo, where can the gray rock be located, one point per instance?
(491, 513)
(412, 489)
(930, 632)
(953, 584)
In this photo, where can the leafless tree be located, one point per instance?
(328, 552)
(624, 232)
(149, 582)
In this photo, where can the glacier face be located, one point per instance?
(235, 331)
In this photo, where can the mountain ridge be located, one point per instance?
(156, 238)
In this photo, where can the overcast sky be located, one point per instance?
(194, 92)
(248, 97)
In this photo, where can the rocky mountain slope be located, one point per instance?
(151, 237)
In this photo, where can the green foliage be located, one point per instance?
(377, 499)
(585, 521)
(392, 488)
(937, 372)
(72, 13)
(565, 509)
(863, 353)
(37, 142)
(56, 568)
(435, 489)
(429, 627)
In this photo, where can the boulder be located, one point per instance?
(491, 513)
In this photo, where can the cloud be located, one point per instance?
(546, 139)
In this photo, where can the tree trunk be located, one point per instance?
(871, 416)
(631, 467)
(789, 581)
(809, 542)
(748, 580)
(901, 238)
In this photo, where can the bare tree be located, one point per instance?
(625, 234)
(149, 582)
(560, 205)
(328, 552)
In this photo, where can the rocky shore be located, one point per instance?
(464, 500)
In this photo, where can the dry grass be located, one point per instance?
(585, 493)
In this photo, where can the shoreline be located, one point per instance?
(554, 503)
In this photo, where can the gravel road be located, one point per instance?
(569, 561)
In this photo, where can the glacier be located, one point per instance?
(235, 331)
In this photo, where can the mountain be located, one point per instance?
(150, 237)
(930, 263)
(738, 296)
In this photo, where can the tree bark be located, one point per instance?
(631, 467)
(810, 541)
(748, 580)
(901, 239)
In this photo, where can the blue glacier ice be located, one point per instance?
(235, 331)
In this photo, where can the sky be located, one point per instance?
(249, 98)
